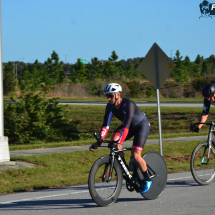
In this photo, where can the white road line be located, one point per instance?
(86, 191)
(43, 197)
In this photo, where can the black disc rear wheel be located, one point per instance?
(157, 163)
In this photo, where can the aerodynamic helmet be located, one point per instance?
(112, 88)
(208, 90)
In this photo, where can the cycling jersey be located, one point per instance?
(135, 122)
(206, 106)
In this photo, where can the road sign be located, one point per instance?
(84, 60)
(157, 66)
(165, 66)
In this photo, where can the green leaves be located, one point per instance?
(9, 79)
(37, 118)
(179, 73)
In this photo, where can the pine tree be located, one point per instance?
(179, 73)
(9, 80)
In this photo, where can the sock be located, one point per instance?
(146, 175)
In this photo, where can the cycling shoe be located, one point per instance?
(146, 187)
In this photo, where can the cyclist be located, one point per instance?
(208, 91)
(135, 124)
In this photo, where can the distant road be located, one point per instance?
(144, 103)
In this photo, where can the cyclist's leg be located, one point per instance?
(136, 153)
(116, 136)
(138, 144)
(137, 148)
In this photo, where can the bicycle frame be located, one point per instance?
(209, 140)
(114, 156)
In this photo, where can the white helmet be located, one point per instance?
(112, 88)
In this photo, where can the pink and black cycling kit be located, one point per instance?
(135, 123)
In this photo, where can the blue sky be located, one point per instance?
(32, 29)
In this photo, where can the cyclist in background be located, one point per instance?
(208, 91)
(135, 124)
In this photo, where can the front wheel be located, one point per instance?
(201, 167)
(104, 193)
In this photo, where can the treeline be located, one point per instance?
(53, 72)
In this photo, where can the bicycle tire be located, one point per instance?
(203, 174)
(158, 164)
(104, 193)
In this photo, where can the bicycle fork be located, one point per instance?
(110, 171)
(209, 148)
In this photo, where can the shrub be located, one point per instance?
(149, 92)
(198, 83)
(36, 118)
(172, 90)
(134, 87)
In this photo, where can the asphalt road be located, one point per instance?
(144, 103)
(181, 196)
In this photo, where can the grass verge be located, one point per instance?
(175, 123)
(72, 168)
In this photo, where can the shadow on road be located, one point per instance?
(49, 204)
(182, 183)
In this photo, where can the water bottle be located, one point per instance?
(131, 164)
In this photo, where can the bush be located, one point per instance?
(134, 87)
(172, 90)
(149, 92)
(36, 118)
(198, 83)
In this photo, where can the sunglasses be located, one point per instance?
(110, 96)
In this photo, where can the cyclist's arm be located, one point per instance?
(105, 126)
(205, 113)
(202, 119)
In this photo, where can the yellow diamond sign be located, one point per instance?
(156, 65)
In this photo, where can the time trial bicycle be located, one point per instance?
(107, 173)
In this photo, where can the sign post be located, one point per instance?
(157, 66)
(4, 149)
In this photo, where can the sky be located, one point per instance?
(33, 29)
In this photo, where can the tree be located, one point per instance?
(25, 80)
(97, 68)
(199, 59)
(80, 70)
(187, 61)
(205, 70)
(179, 73)
(113, 57)
(9, 80)
(74, 76)
(212, 58)
(55, 69)
(129, 70)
